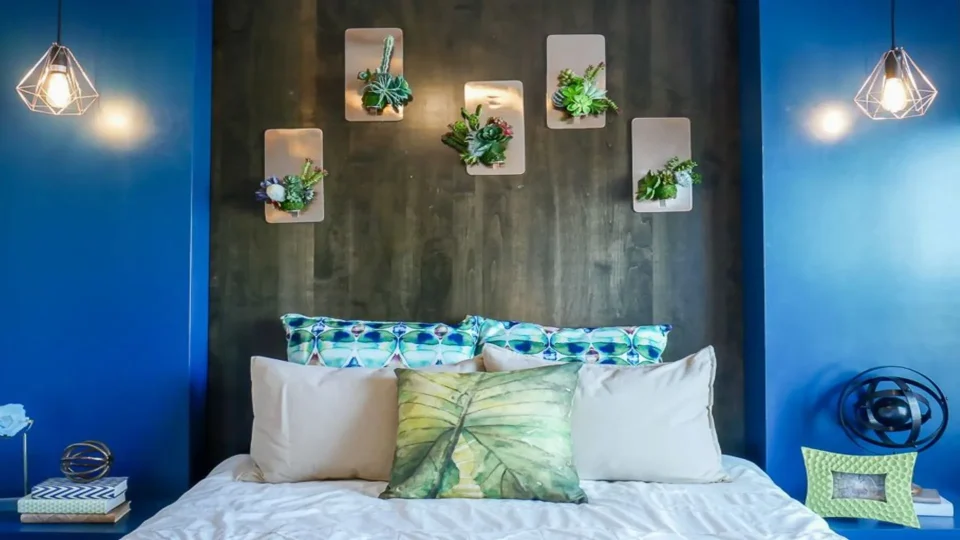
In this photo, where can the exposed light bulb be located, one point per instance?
(57, 89)
(894, 97)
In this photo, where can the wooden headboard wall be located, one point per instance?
(408, 235)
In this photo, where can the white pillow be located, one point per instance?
(650, 423)
(321, 423)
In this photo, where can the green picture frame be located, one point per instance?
(864, 487)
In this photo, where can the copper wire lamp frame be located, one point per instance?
(896, 63)
(57, 60)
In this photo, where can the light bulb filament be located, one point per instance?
(57, 89)
(894, 97)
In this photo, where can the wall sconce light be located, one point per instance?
(896, 88)
(57, 83)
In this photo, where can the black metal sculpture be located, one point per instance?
(86, 461)
(885, 408)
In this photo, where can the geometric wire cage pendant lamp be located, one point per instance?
(896, 88)
(57, 83)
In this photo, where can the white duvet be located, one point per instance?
(220, 507)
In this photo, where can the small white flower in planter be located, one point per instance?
(293, 193)
(276, 192)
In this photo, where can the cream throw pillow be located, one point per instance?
(650, 423)
(321, 423)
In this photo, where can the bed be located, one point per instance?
(221, 507)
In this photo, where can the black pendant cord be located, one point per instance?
(893, 24)
(59, 19)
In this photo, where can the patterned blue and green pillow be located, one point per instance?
(327, 341)
(622, 345)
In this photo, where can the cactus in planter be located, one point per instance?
(486, 144)
(580, 96)
(661, 185)
(383, 89)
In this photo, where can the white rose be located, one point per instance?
(276, 192)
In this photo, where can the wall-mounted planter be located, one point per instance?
(502, 99)
(363, 50)
(284, 151)
(654, 142)
(575, 52)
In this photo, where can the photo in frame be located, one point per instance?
(862, 487)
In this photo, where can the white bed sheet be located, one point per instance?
(220, 507)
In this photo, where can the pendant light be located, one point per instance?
(57, 83)
(896, 88)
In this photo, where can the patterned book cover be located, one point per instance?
(113, 517)
(61, 488)
(29, 505)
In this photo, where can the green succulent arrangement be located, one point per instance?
(293, 193)
(382, 88)
(580, 96)
(484, 144)
(661, 185)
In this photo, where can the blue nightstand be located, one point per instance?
(934, 528)
(140, 511)
(931, 528)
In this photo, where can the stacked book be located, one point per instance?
(929, 502)
(59, 500)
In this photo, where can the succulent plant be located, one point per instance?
(382, 88)
(294, 192)
(580, 96)
(661, 185)
(486, 144)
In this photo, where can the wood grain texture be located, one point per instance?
(409, 235)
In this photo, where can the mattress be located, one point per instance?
(749, 507)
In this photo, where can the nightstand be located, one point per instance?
(931, 528)
(140, 511)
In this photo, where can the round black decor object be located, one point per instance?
(86, 461)
(892, 412)
(894, 408)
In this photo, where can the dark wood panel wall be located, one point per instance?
(409, 235)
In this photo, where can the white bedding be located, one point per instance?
(220, 507)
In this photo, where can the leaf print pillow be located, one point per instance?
(486, 436)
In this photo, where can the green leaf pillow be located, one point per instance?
(486, 436)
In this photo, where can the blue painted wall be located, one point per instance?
(104, 236)
(858, 264)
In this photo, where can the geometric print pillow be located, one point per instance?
(620, 345)
(327, 341)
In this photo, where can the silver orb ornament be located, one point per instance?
(86, 461)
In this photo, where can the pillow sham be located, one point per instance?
(650, 423)
(622, 345)
(486, 436)
(320, 423)
(327, 341)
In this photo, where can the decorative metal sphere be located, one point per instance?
(86, 461)
(882, 407)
